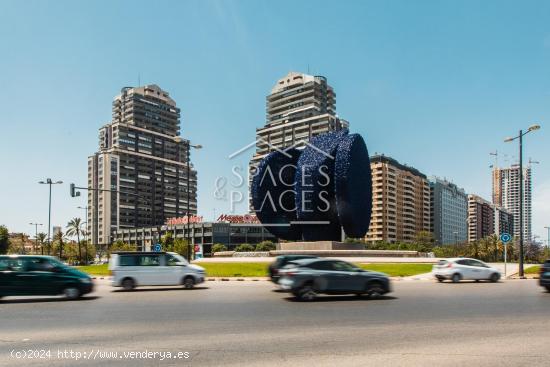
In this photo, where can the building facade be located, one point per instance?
(202, 235)
(299, 107)
(504, 221)
(142, 173)
(401, 201)
(449, 212)
(506, 194)
(481, 218)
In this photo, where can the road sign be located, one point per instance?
(505, 237)
(157, 247)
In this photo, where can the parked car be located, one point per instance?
(458, 269)
(282, 261)
(308, 277)
(34, 275)
(133, 269)
(544, 275)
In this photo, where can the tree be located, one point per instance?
(218, 247)
(265, 246)
(424, 240)
(167, 241)
(180, 246)
(4, 239)
(245, 247)
(58, 241)
(41, 237)
(121, 246)
(73, 229)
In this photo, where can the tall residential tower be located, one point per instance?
(144, 161)
(506, 194)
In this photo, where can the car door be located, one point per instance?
(147, 271)
(171, 270)
(10, 284)
(464, 268)
(325, 275)
(348, 277)
(42, 277)
(479, 270)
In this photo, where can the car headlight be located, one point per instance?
(85, 280)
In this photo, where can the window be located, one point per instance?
(172, 260)
(149, 260)
(8, 264)
(343, 266)
(40, 264)
(321, 265)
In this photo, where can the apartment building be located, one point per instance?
(299, 107)
(141, 174)
(506, 194)
(481, 218)
(401, 201)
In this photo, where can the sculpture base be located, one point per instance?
(319, 245)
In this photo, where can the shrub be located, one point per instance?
(218, 247)
(245, 247)
(265, 246)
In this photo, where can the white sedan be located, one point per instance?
(461, 268)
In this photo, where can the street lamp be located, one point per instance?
(548, 238)
(36, 235)
(178, 140)
(85, 233)
(507, 140)
(50, 183)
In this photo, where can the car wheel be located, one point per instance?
(440, 280)
(188, 282)
(128, 284)
(71, 292)
(456, 278)
(494, 277)
(307, 293)
(374, 289)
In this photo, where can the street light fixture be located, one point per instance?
(36, 235)
(50, 182)
(548, 238)
(507, 140)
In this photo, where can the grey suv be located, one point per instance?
(309, 277)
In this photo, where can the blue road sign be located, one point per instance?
(505, 237)
(157, 247)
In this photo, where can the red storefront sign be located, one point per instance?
(247, 218)
(184, 220)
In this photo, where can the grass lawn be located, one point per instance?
(95, 269)
(235, 269)
(398, 269)
(260, 269)
(532, 270)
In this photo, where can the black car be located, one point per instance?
(282, 261)
(309, 277)
(544, 278)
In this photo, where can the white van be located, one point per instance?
(132, 269)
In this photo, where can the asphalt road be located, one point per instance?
(249, 324)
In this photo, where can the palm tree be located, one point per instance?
(73, 229)
(41, 237)
(58, 237)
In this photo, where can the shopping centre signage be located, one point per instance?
(247, 218)
(184, 220)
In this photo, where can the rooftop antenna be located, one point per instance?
(531, 161)
(139, 80)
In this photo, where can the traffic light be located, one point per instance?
(74, 193)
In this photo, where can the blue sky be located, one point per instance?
(434, 84)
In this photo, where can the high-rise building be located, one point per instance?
(299, 107)
(449, 212)
(506, 193)
(504, 221)
(400, 203)
(143, 162)
(481, 218)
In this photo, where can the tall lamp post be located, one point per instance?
(520, 137)
(50, 182)
(36, 235)
(85, 233)
(548, 238)
(188, 147)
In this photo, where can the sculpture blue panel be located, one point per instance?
(325, 187)
(273, 191)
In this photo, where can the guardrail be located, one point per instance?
(324, 253)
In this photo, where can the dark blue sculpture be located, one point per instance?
(311, 194)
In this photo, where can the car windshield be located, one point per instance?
(178, 258)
